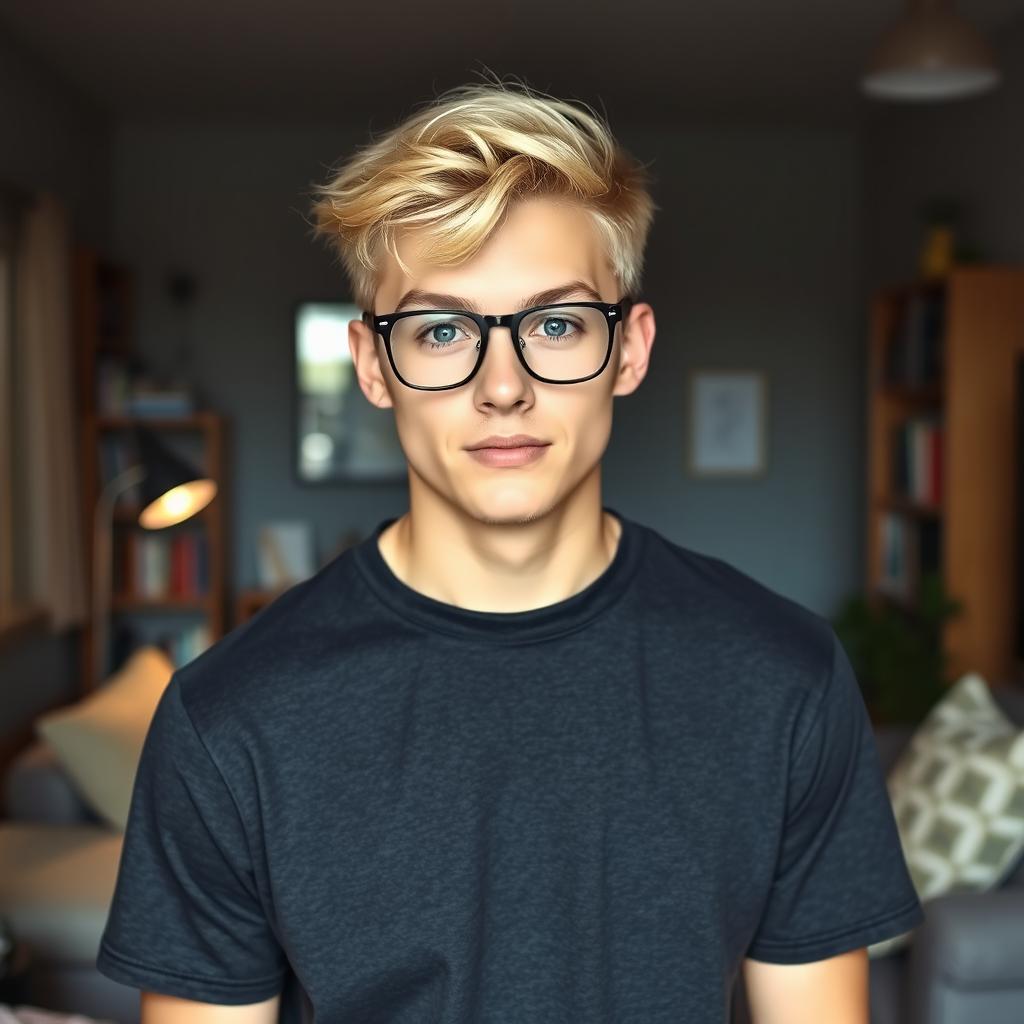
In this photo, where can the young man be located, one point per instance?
(516, 757)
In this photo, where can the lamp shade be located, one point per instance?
(930, 54)
(172, 490)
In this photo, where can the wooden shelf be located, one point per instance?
(18, 623)
(915, 286)
(104, 312)
(912, 508)
(932, 395)
(129, 602)
(980, 339)
(203, 420)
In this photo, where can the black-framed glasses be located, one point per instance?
(561, 343)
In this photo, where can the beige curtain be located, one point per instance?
(44, 379)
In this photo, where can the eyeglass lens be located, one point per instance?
(563, 343)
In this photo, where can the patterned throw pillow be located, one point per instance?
(957, 792)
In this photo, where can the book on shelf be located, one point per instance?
(113, 384)
(181, 644)
(161, 565)
(159, 404)
(909, 548)
(121, 391)
(914, 353)
(917, 459)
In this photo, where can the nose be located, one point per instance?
(501, 378)
(500, 349)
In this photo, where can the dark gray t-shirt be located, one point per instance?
(399, 811)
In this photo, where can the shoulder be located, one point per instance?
(277, 659)
(735, 622)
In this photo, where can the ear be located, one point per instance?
(637, 336)
(368, 359)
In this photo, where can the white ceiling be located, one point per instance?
(314, 59)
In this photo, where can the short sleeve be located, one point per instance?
(186, 918)
(840, 881)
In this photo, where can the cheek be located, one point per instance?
(591, 430)
(586, 416)
(425, 430)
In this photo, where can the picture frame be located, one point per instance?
(285, 553)
(339, 436)
(728, 423)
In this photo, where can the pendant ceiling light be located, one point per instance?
(931, 53)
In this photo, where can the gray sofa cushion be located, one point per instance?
(967, 962)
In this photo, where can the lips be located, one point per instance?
(511, 441)
(521, 455)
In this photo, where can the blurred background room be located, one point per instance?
(835, 403)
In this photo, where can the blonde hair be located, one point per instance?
(453, 168)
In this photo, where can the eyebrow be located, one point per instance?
(416, 299)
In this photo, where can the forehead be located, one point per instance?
(542, 242)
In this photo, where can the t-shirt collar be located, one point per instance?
(529, 626)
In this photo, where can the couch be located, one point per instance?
(58, 865)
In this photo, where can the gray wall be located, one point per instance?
(51, 140)
(755, 262)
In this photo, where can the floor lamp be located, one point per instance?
(171, 491)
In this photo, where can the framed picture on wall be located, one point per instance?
(339, 435)
(285, 553)
(728, 423)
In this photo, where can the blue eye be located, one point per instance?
(558, 327)
(557, 320)
(448, 328)
(440, 334)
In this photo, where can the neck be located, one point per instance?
(508, 565)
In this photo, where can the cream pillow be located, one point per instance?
(98, 741)
(958, 796)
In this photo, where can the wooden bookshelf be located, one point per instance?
(211, 605)
(103, 324)
(976, 317)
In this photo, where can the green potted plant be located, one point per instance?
(897, 650)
